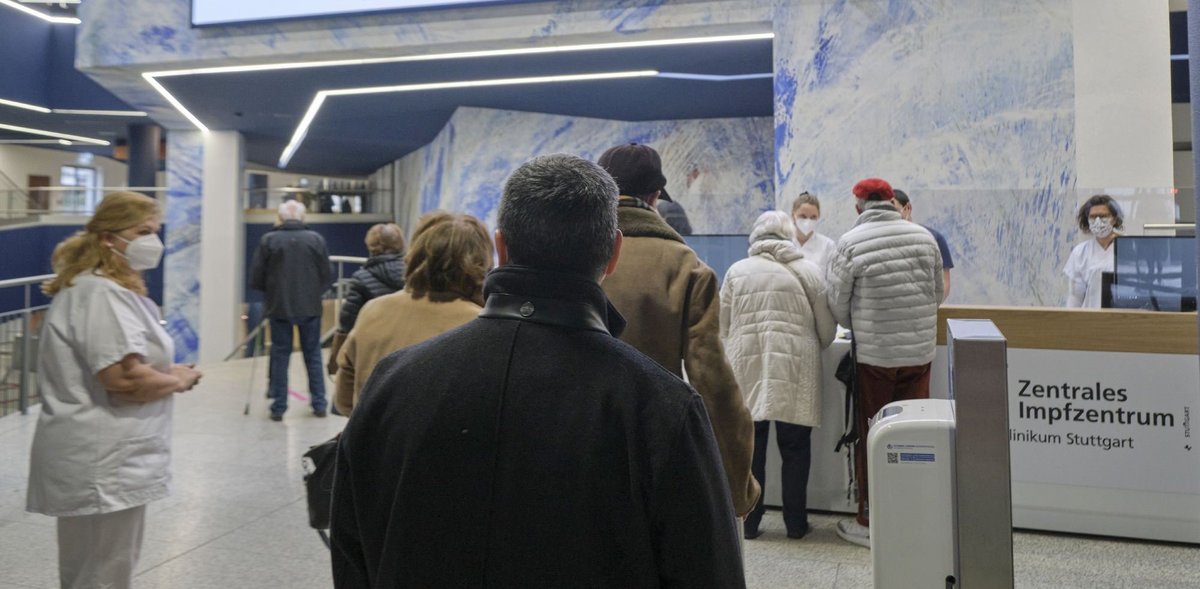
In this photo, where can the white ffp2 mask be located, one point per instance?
(143, 253)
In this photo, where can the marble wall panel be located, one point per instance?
(720, 170)
(181, 272)
(968, 105)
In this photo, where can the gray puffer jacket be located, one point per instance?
(381, 275)
(885, 282)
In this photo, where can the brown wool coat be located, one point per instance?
(387, 324)
(670, 300)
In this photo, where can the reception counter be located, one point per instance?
(1100, 415)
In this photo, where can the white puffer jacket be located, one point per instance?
(774, 324)
(886, 276)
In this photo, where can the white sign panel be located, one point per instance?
(1102, 419)
(217, 12)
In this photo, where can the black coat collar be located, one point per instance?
(550, 298)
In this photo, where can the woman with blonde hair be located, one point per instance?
(101, 449)
(816, 247)
(382, 274)
(775, 320)
(449, 256)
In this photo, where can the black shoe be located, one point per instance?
(276, 417)
(797, 534)
(751, 531)
(334, 410)
(319, 413)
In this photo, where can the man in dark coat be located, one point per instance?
(291, 267)
(531, 447)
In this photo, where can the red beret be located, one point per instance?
(874, 189)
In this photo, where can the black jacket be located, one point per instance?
(291, 266)
(531, 448)
(381, 275)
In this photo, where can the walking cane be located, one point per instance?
(257, 347)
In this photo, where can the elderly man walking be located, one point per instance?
(530, 447)
(291, 267)
(885, 282)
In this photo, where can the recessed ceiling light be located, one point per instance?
(302, 129)
(46, 133)
(58, 20)
(24, 105)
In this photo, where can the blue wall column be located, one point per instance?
(181, 266)
(144, 139)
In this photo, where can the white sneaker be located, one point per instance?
(853, 532)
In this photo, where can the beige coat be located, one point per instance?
(387, 324)
(775, 321)
(670, 300)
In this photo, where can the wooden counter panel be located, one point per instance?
(1092, 330)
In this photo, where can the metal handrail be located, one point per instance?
(75, 188)
(339, 291)
(26, 280)
(26, 312)
(1168, 226)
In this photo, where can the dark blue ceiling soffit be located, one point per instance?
(40, 69)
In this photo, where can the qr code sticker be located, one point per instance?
(893, 458)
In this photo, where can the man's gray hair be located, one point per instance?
(559, 213)
(291, 210)
(773, 225)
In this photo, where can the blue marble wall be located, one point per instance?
(181, 265)
(720, 170)
(968, 105)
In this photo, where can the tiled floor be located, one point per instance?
(237, 517)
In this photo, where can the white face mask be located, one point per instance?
(143, 253)
(807, 226)
(1100, 227)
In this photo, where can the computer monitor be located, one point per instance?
(1154, 273)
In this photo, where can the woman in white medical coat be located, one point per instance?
(1100, 217)
(101, 450)
(806, 213)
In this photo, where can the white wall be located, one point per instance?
(19, 162)
(1123, 141)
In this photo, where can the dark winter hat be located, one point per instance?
(636, 168)
(873, 189)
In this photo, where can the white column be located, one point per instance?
(222, 245)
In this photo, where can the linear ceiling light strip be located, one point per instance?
(99, 113)
(233, 69)
(58, 20)
(46, 133)
(151, 77)
(24, 105)
(302, 129)
(175, 103)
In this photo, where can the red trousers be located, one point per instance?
(877, 387)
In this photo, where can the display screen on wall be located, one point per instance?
(224, 12)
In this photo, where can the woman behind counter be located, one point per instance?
(806, 212)
(446, 263)
(1102, 218)
(101, 450)
(775, 320)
